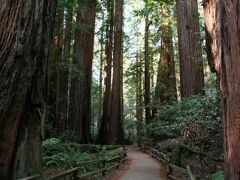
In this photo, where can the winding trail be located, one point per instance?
(140, 166)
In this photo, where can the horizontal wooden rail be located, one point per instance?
(112, 167)
(72, 171)
(113, 159)
(91, 162)
(31, 177)
(89, 174)
(163, 158)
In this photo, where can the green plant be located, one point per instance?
(51, 142)
(219, 175)
(194, 112)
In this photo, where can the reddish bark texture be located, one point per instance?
(230, 85)
(104, 124)
(147, 75)
(166, 80)
(139, 95)
(25, 32)
(81, 85)
(115, 122)
(191, 64)
(63, 76)
(222, 21)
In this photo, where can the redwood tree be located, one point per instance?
(139, 95)
(25, 34)
(104, 121)
(191, 63)
(53, 68)
(63, 73)
(166, 80)
(147, 81)
(81, 85)
(212, 41)
(115, 122)
(224, 29)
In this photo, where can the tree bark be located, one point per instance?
(63, 47)
(221, 18)
(115, 122)
(84, 44)
(165, 90)
(24, 45)
(191, 63)
(147, 82)
(53, 69)
(101, 71)
(139, 100)
(86, 58)
(104, 126)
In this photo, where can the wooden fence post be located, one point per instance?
(103, 166)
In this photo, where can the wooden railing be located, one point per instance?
(73, 174)
(32, 177)
(165, 160)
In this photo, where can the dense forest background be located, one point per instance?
(158, 73)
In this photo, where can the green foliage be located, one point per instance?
(219, 175)
(198, 111)
(69, 158)
(59, 155)
(50, 142)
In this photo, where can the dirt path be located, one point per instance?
(140, 166)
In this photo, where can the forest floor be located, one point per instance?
(139, 166)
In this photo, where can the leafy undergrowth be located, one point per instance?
(59, 156)
(182, 129)
(218, 175)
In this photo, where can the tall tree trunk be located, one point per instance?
(191, 64)
(210, 56)
(104, 125)
(115, 122)
(24, 46)
(147, 82)
(86, 58)
(84, 43)
(230, 85)
(121, 130)
(63, 47)
(139, 103)
(165, 90)
(101, 71)
(53, 68)
(222, 19)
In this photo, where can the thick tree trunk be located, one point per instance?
(86, 40)
(139, 100)
(165, 90)
(23, 53)
(53, 69)
(147, 76)
(191, 64)
(104, 126)
(101, 71)
(210, 56)
(115, 122)
(230, 87)
(211, 16)
(84, 43)
(221, 18)
(62, 79)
